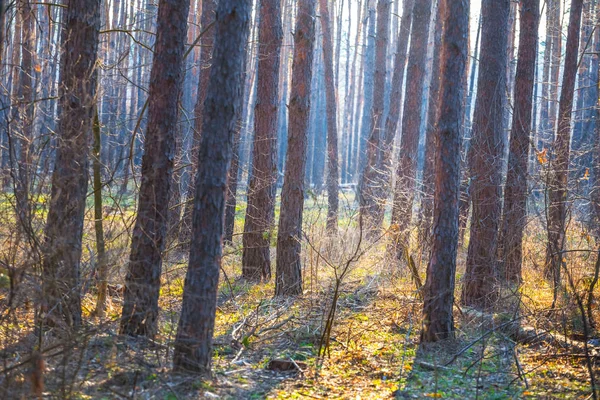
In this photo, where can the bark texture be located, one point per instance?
(193, 344)
(64, 225)
(142, 284)
(515, 191)
(559, 164)
(332, 131)
(486, 156)
(439, 286)
(256, 257)
(411, 120)
(206, 48)
(370, 203)
(288, 275)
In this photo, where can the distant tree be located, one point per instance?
(256, 256)
(142, 285)
(486, 158)
(411, 120)
(559, 163)
(64, 225)
(515, 190)
(193, 344)
(439, 287)
(332, 131)
(288, 273)
(370, 204)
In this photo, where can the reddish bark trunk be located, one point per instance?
(559, 164)
(439, 286)
(206, 48)
(193, 344)
(332, 131)
(515, 191)
(486, 156)
(288, 276)
(142, 285)
(64, 226)
(370, 204)
(411, 120)
(256, 257)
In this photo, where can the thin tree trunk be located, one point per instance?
(486, 158)
(439, 286)
(396, 97)
(411, 120)
(26, 117)
(332, 131)
(432, 117)
(256, 257)
(142, 285)
(288, 275)
(558, 174)
(206, 47)
(193, 344)
(64, 225)
(370, 204)
(102, 261)
(515, 191)
(465, 184)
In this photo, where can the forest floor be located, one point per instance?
(269, 348)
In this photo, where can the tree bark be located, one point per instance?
(486, 157)
(142, 285)
(64, 225)
(559, 164)
(332, 131)
(256, 257)
(206, 48)
(411, 120)
(102, 261)
(515, 191)
(193, 344)
(439, 286)
(370, 204)
(432, 117)
(26, 116)
(288, 275)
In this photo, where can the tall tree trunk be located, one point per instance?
(288, 275)
(102, 261)
(193, 344)
(465, 184)
(544, 133)
(332, 131)
(432, 117)
(439, 286)
(370, 204)
(595, 192)
(486, 157)
(411, 120)
(367, 91)
(64, 225)
(206, 47)
(232, 183)
(26, 117)
(256, 257)
(142, 285)
(559, 164)
(396, 97)
(515, 191)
